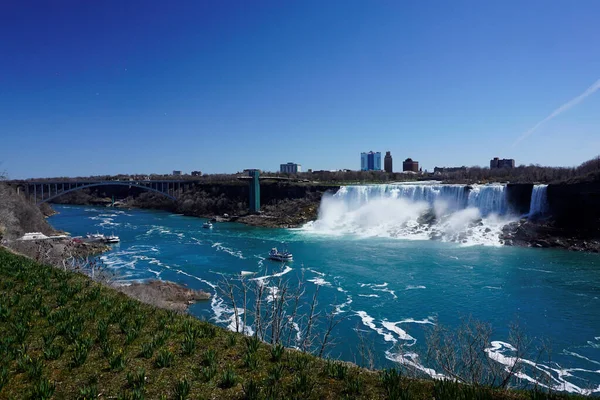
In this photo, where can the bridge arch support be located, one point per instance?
(104, 183)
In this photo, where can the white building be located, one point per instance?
(290, 168)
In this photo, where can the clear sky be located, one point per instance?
(104, 87)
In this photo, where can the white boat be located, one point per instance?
(98, 237)
(276, 255)
(207, 225)
(112, 239)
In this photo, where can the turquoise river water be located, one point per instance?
(389, 289)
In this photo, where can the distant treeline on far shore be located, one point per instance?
(589, 171)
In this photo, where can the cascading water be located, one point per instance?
(539, 201)
(466, 214)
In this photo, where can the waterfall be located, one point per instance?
(539, 201)
(423, 210)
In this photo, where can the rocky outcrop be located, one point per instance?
(164, 294)
(546, 234)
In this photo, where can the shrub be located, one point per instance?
(231, 340)
(131, 335)
(81, 350)
(353, 384)
(336, 369)
(102, 334)
(147, 350)
(208, 373)
(277, 352)
(53, 352)
(302, 384)
(250, 361)
(228, 379)
(251, 390)
(88, 392)
(3, 377)
(35, 369)
(209, 357)
(275, 374)
(391, 380)
(164, 359)
(117, 361)
(182, 389)
(189, 344)
(252, 344)
(136, 380)
(43, 390)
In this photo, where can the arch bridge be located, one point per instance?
(44, 191)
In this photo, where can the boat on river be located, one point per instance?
(207, 225)
(276, 255)
(112, 239)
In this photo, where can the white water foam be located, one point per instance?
(470, 215)
(219, 247)
(557, 376)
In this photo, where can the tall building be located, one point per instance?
(496, 163)
(387, 162)
(370, 161)
(410, 165)
(290, 168)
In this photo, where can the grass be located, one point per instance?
(64, 336)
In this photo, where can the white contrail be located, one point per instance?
(589, 91)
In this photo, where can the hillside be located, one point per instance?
(18, 216)
(64, 336)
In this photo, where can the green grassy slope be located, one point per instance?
(65, 336)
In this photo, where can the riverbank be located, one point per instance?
(82, 339)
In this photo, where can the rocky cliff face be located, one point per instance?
(576, 208)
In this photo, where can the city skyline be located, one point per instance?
(216, 87)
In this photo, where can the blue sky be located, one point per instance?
(152, 86)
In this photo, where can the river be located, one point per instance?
(386, 287)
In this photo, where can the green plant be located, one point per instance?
(133, 394)
(53, 352)
(136, 380)
(231, 340)
(252, 344)
(209, 357)
(159, 339)
(131, 335)
(300, 362)
(35, 369)
(353, 384)
(3, 377)
(251, 390)
(164, 359)
(275, 374)
(49, 337)
(102, 332)
(208, 373)
(117, 361)
(336, 369)
(189, 344)
(182, 389)
(228, 378)
(106, 348)
(302, 384)
(43, 390)
(147, 350)
(445, 389)
(277, 352)
(23, 361)
(250, 361)
(88, 392)
(81, 350)
(392, 382)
